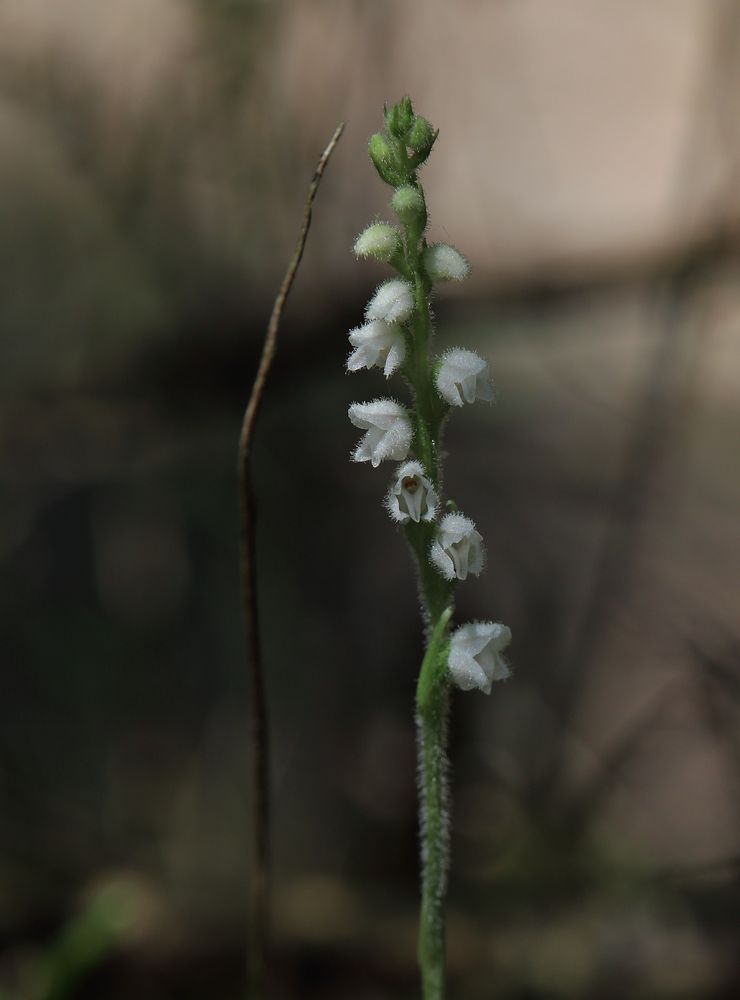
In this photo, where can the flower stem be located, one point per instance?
(432, 696)
(432, 701)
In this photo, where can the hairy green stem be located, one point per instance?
(432, 698)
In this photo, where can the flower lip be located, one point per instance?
(393, 301)
(475, 659)
(412, 496)
(463, 377)
(388, 431)
(457, 549)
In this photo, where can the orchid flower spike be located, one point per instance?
(444, 263)
(458, 548)
(377, 345)
(388, 429)
(463, 377)
(475, 659)
(412, 496)
(393, 301)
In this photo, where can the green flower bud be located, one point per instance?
(383, 160)
(408, 204)
(381, 241)
(400, 118)
(421, 139)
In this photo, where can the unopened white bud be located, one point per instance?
(458, 548)
(378, 345)
(393, 301)
(381, 241)
(445, 263)
(464, 377)
(475, 659)
(388, 429)
(411, 496)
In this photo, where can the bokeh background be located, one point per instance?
(154, 156)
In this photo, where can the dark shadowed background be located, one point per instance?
(154, 157)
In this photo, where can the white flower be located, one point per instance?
(411, 496)
(445, 263)
(458, 548)
(388, 431)
(475, 659)
(380, 240)
(393, 301)
(463, 377)
(378, 344)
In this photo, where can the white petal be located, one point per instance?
(396, 355)
(379, 413)
(458, 548)
(468, 675)
(456, 526)
(462, 377)
(442, 561)
(393, 302)
(475, 659)
(388, 427)
(445, 263)
(412, 495)
(378, 344)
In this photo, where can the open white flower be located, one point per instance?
(378, 345)
(475, 659)
(445, 263)
(388, 429)
(458, 548)
(411, 496)
(393, 301)
(463, 377)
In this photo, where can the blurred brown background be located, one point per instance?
(154, 156)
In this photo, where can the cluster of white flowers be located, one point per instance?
(387, 341)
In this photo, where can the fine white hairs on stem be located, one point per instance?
(445, 263)
(377, 345)
(458, 548)
(380, 240)
(475, 659)
(463, 377)
(388, 429)
(412, 496)
(393, 301)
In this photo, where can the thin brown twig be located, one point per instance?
(257, 933)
